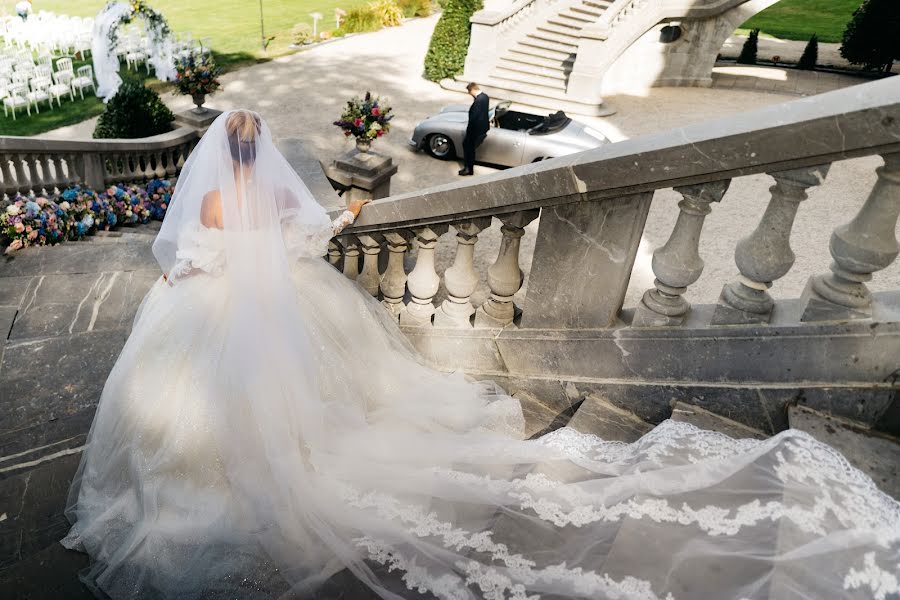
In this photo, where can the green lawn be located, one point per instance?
(799, 19)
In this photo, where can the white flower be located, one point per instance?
(65, 205)
(128, 213)
(12, 209)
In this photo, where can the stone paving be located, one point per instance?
(68, 309)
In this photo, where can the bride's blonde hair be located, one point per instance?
(242, 128)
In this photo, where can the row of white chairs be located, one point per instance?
(28, 89)
(47, 31)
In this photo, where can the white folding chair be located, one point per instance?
(62, 81)
(40, 91)
(84, 79)
(15, 99)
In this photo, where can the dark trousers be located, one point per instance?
(469, 145)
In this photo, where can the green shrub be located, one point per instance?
(134, 112)
(416, 8)
(450, 41)
(748, 52)
(301, 33)
(359, 19)
(810, 55)
(871, 38)
(388, 11)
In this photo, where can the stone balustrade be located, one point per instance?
(567, 334)
(31, 166)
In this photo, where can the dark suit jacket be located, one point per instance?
(479, 123)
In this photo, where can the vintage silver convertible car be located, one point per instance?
(515, 138)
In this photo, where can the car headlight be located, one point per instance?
(595, 134)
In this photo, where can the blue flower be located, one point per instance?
(111, 219)
(87, 221)
(70, 194)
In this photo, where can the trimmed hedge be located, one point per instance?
(134, 112)
(450, 41)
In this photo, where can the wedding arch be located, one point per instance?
(105, 39)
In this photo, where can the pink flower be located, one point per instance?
(19, 228)
(163, 206)
(111, 191)
(28, 229)
(19, 203)
(376, 111)
(357, 122)
(32, 235)
(13, 246)
(41, 201)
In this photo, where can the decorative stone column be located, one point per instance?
(505, 276)
(200, 122)
(334, 254)
(351, 255)
(765, 255)
(423, 282)
(864, 245)
(362, 175)
(461, 278)
(369, 278)
(677, 264)
(393, 282)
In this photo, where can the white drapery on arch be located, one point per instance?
(106, 63)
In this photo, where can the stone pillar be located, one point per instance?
(461, 278)
(369, 278)
(864, 245)
(423, 281)
(363, 175)
(586, 79)
(334, 253)
(351, 255)
(505, 275)
(765, 255)
(393, 282)
(677, 264)
(582, 262)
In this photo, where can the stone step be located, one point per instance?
(875, 454)
(705, 419)
(563, 50)
(540, 83)
(532, 97)
(561, 30)
(530, 60)
(565, 20)
(573, 16)
(607, 421)
(539, 418)
(539, 75)
(50, 574)
(598, 4)
(591, 12)
(563, 43)
(549, 54)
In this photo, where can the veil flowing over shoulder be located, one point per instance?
(266, 427)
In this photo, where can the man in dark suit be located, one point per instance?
(477, 129)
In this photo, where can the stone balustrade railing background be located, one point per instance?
(32, 166)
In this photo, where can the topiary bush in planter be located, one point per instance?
(134, 112)
(450, 41)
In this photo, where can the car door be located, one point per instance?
(502, 147)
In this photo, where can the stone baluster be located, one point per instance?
(23, 183)
(9, 177)
(461, 278)
(72, 172)
(334, 253)
(51, 174)
(393, 282)
(765, 255)
(351, 255)
(160, 171)
(183, 152)
(677, 264)
(423, 281)
(149, 170)
(505, 276)
(864, 245)
(171, 157)
(369, 278)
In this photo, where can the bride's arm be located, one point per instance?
(347, 217)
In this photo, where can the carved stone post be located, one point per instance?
(505, 275)
(765, 255)
(864, 245)
(461, 278)
(334, 253)
(423, 281)
(393, 282)
(677, 264)
(369, 277)
(351, 255)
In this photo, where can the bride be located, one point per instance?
(266, 427)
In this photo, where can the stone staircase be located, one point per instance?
(540, 61)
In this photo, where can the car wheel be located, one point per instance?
(440, 146)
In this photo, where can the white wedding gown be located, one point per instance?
(257, 436)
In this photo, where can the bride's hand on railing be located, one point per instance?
(356, 205)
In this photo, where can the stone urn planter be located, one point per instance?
(199, 98)
(363, 145)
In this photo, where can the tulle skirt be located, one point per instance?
(217, 467)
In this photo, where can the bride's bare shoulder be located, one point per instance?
(211, 210)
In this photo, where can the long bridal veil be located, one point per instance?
(285, 432)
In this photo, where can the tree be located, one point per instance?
(449, 45)
(134, 112)
(871, 38)
(810, 55)
(748, 52)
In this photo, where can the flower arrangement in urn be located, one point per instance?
(365, 119)
(197, 75)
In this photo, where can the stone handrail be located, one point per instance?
(593, 206)
(39, 165)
